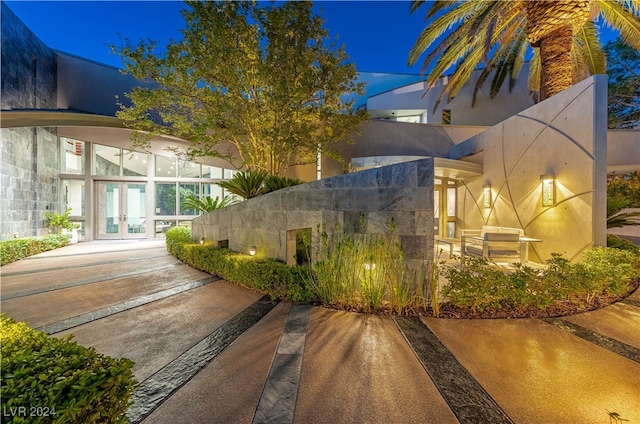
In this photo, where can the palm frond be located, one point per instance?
(438, 27)
(247, 184)
(534, 73)
(588, 47)
(616, 15)
(206, 203)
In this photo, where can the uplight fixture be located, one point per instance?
(202, 240)
(486, 190)
(252, 250)
(548, 189)
(369, 266)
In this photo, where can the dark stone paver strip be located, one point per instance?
(278, 400)
(157, 388)
(468, 400)
(121, 307)
(596, 338)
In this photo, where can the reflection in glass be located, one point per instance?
(73, 196)
(451, 202)
(188, 190)
(188, 169)
(211, 172)
(134, 164)
(72, 156)
(165, 167)
(136, 208)
(106, 160)
(163, 226)
(165, 198)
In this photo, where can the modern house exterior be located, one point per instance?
(439, 171)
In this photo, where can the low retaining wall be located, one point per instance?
(403, 191)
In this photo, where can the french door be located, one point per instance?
(121, 210)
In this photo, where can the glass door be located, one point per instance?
(121, 210)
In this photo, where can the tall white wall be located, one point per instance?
(565, 135)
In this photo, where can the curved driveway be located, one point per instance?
(207, 351)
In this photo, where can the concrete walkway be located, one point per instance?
(207, 351)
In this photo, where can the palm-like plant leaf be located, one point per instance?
(207, 203)
(247, 184)
(459, 34)
(615, 217)
(273, 183)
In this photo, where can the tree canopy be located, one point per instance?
(259, 84)
(461, 35)
(623, 68)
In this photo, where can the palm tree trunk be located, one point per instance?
(555, 60)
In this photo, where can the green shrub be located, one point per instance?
(16, 249)
(46, 379)
(270, 276)
(620, 243)
(477, 284)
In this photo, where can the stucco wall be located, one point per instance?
(403, 191)
(566, 136)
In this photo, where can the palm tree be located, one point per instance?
(206, 203)
(563, 34)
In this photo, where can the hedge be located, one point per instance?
(270, 276)
(16, 249)
(51, 380)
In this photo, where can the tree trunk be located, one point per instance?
(555, 61)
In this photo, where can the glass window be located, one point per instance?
(165, 167)
(134, 164)
(73, 196)
(163, 226)
(106, 160)
(451, 202)
(72, 156)
(186, 224)
(229, 173)
(213, 190)
(188, 169)
(188, 190)
(211, 172)
(165, 198)
(451, 229)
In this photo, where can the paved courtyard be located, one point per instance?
(207, 351)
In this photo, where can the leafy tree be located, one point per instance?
(255, 82)
(206, 203)
(462, 34)
(623, 68)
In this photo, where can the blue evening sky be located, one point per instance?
(377, 34)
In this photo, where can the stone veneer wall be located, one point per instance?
(402, 191)
(29, 156)
(565, 135)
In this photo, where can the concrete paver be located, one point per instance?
(613, 321)
(49, 307)
(540, 374)
(160, 331)
(228, 389)
(355, 368)
(358, 368)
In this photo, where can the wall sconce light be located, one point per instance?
(252, 250)
(202, 240)
(486, 190)
(548, 189)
